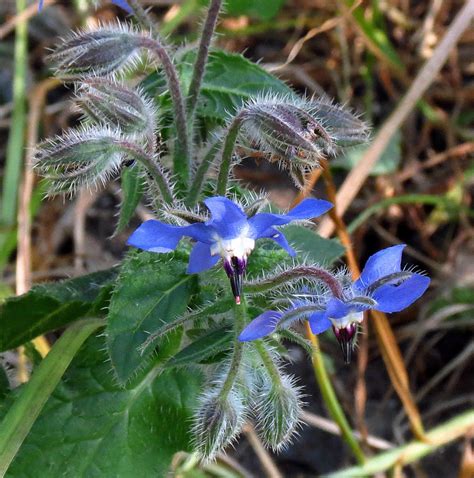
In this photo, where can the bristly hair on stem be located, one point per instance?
(202, 55)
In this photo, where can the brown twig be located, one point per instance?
(356, 178)
(23, 258)
(266, 460)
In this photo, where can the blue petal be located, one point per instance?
(392, 298)
(40, 5)
(319, 322)
(154, 236)
(227, 218)
(279, 238)
(336, 309)
(263, 325)
(123, 5)
(385, 262)
(307, 209)
(200, 258)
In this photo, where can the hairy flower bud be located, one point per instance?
(110, 103)
(80, 157)
(278, 407)
(217, 422)
(98, 52)
(344, 127)
(296, 133)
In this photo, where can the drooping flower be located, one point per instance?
(228, 234)
(383, 285)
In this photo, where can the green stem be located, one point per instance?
(240, 313)
(332, 403)
(436, 438)
(268, 362)
(152, 167)
(25, 410)
(15, 146)
(226, 161)
(198, 180)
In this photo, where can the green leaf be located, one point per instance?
(307, 243)
(387, 164)
(262, 9)
(132, 189)
(230, 80)
(50, 306)
(91, 427)
(205, 347)
(152, 290)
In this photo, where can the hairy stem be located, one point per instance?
(198, 180)
(182, 151)
(240, 314)
(298, 272)
(268, 362)
(152, 167)
(143, 17)
(226, 160)
(24, 412)
(202, 55)
(330, 399)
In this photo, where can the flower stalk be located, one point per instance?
(182, 151)
(202, 56)
(226, 160)
(331, 400)
(298, 272)
(152, 167)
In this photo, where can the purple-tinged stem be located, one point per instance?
(202, 55)
(298, 272)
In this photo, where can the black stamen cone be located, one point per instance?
(345, 336)
(235, 271)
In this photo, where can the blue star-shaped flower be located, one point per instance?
(228, 234)
(382, 286)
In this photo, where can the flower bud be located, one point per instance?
(278, 407)
(343, 127)
(217, 423)
(80, 157)
(99, 52)
(109, 103)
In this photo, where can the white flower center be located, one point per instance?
(239, 247)
(343, 322)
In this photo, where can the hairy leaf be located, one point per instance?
(50, 306)
(152, 290)
(230, 80)
(316, 248)
(91, 427)
(204, 347)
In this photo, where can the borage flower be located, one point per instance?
(382, 286)
(228, 234)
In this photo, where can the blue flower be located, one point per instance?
(382, 286)
(40, 5)
(228, 234)
(123, 5)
